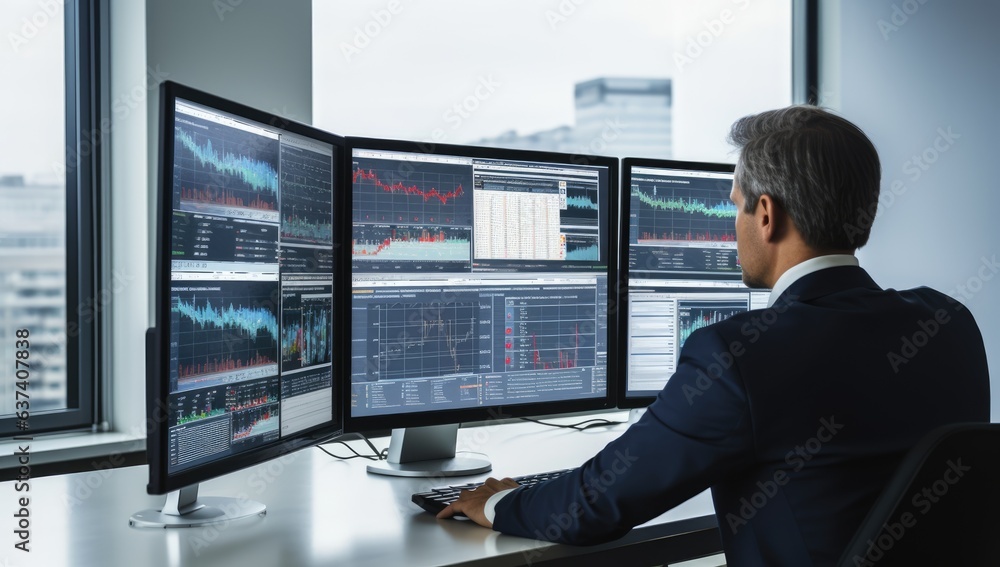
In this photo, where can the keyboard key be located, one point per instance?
(437, 499)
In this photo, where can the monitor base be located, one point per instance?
(183, 509)
(428, 451)
(456, 466)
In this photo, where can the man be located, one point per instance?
(795, 415)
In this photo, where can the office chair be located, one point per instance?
(941, 507)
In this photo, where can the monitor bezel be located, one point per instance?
(626, 401)
(492, 413)
(158, 338)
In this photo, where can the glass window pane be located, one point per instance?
(661, 78)
(33, 200)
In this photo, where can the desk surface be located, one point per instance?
(320, 510)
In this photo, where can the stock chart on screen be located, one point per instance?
(478, 280)
(250, 291)
(683, 272)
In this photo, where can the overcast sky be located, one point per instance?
(401, 80)
(32, 116)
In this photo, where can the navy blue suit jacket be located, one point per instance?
(795, 416)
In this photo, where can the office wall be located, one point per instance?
(258, 52)
(921, 78)
(129, 90)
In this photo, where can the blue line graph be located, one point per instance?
(259, 175)
(586, 253)
(581, 203)
(253, 320)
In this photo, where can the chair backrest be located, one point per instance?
(941, 507)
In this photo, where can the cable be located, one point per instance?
(384, 453)
(377, 456)
(586, 424)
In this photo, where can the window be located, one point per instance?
(46, 217)
(661, 79)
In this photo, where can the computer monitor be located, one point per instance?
(482, 288)
(240, 362)
(679, 267)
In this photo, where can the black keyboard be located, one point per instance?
(437, 499)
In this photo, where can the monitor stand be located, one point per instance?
(428, 451)
(183, 509)
(634, 414)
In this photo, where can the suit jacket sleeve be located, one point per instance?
(697, 431)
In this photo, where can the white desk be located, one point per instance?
(320, 511)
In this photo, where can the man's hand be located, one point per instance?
(472, 502)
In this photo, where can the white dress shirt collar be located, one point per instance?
(811, 265)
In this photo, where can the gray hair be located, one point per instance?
(820, 168)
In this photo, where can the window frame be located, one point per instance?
(805, 52)
(84, 155)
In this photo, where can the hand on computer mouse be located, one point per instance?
(472, 502)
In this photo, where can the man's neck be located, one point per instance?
(806, 267)
(791, 257)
